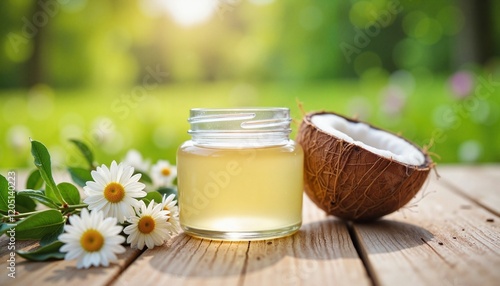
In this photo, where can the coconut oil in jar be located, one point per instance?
(240, 177)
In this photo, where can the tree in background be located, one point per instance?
(110, 43)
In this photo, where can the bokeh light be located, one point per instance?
(125, 75)
(74, 6)
(408, 53)
(367, 61)
(461, 83)
(451, 19)
(40, 102)
(190, 12)
(359, 107)
(404, 80)
(362, 13)
(311, 18)
(17, 136)
(393, 100)
(243, 94)
(421, 27)
(470, 151)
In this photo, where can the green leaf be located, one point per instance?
(145, 178)
(51, 195)
(157, 197)
(42, 162)
(39, 196)
(38, 225)
(51, 237)
(80, 176)
(4, 227)
(86, 152)
(47, 252)
(24, 204)
(35, 181)
(4, 194)
(70, 193)
(164, 191)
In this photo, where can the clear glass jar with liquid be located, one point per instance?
(240, 177)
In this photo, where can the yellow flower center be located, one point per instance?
(146, 224)
(92, 240)
(114, 192)
(165, 171)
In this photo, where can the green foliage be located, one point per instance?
(4, 227)
(164, 191)
(39, 225)
(52, 236)
(152, 196)
(24, 204)
(44, 253)
(80, 175)
(86, 152)
(4, 194)
(145, 178)
(157, 133)
(39, 196)
(70, 193)
(42, 162)
(10, 200)
(18, 207)
(282, 40)
(35, 180)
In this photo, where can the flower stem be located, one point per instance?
(62, 209)
(23, 214)
(73, 207)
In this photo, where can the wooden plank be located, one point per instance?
(480, 184)
(188, 261)
(60, 272)
(322, 251)
(438, 243)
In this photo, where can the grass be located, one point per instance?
(155, 121)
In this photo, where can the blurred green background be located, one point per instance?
(123, 75)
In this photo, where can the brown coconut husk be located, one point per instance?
(353, 183)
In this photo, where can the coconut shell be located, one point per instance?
(353, 183)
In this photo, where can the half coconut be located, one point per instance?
(356, 171)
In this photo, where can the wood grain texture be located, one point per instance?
(321, 251)
(480, 184)
(58, 272)
(446, 240)
(451, 236)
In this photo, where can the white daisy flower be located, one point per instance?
(169, 204)
(92, 239)
(114, 191)
(163, 174)
(134, 158)
(149, 227)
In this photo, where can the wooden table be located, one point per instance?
(449, 235)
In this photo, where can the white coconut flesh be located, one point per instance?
(376, 141)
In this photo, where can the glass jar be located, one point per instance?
(240, 177)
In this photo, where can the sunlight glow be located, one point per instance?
(190, 12)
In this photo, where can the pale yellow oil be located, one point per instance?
(248, 193)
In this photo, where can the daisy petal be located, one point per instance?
(92, 239)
